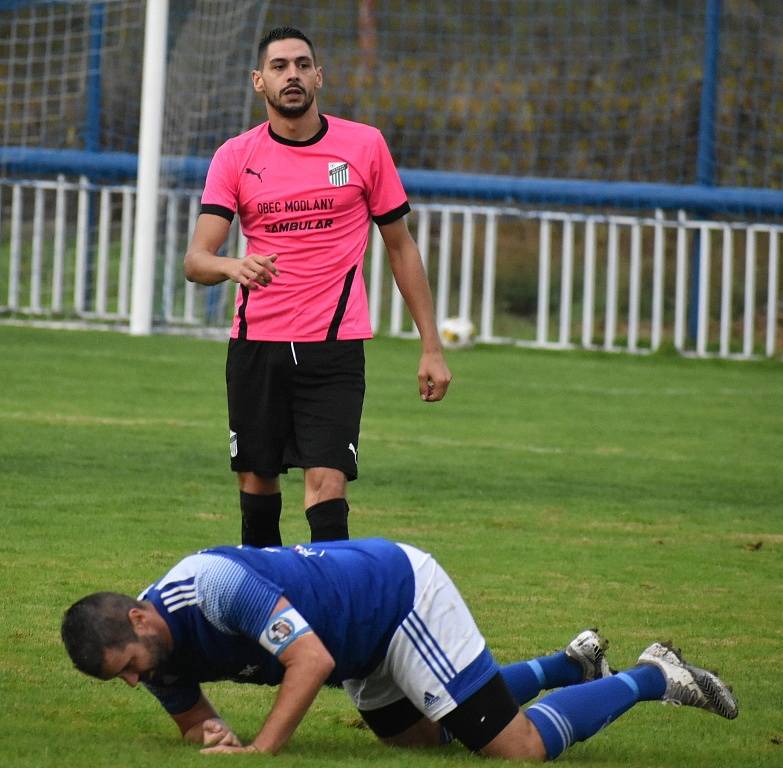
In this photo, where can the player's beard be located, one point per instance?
(296, 110)
(159, 656)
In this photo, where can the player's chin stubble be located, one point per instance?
(291, 111)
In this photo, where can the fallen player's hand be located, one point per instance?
(217, 733)
(226, 749)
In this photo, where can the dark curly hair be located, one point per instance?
(95, 623)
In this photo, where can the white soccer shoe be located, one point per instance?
(588, 648)
(690, 686)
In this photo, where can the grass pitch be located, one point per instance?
(641, 495)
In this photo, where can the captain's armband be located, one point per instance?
(282, 629)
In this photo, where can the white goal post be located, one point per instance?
(150, 141)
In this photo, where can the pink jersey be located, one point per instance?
(310, 203)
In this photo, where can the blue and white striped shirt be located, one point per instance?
(354, 595)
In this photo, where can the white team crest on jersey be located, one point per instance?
(338, 174)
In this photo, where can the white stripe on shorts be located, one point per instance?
(436, 641)
(427, 646)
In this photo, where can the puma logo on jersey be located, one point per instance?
(255, 173)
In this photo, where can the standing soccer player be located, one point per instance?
(305, 187)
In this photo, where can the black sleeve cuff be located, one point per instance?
(218, 210)
(391, 216)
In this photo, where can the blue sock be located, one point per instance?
(526, 679)
(649, 681)
(576, 713)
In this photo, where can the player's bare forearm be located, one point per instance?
(253, 272)
(434, 375)
(207, 268)
(202, 264)
(201, 724)
(307, 666)
(411, 279)
(412, 282)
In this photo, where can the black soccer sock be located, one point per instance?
(261, 519)
(328, 520)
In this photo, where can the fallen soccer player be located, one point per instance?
(380, 619)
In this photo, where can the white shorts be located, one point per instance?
(437, 658)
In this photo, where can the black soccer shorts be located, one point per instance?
(294, 404)
(475, 722)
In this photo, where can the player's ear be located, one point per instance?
(319, 77)
(138, 619)
(258, 80)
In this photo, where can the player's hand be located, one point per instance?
(225, 749)
(217, 734)
(434, 377)
(256, 271)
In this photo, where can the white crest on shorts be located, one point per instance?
(233, 448)
(338, 174)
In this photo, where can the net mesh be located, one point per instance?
(208, 93)
(607, 90)
(46, 71)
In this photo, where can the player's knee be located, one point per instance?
(423, 734)
(490, 723)
(250, 482)
(519, 740)
(322, 484)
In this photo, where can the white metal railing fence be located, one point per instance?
(546, 279)
(657, 274)
(68, 250)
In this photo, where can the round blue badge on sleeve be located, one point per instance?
(280, 630)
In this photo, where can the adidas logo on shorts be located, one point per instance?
(430, 699)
